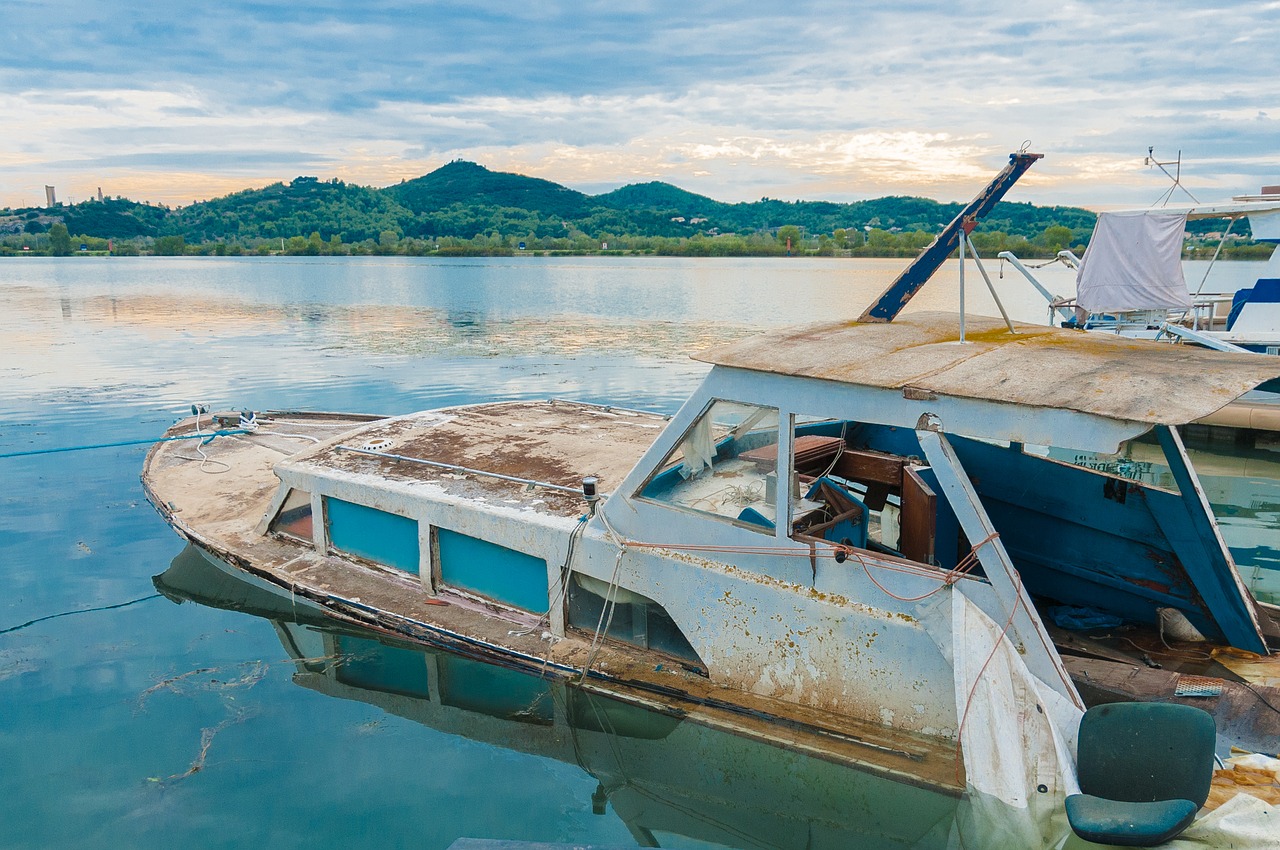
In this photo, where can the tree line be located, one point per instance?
(464, 209)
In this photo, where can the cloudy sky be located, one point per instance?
(181, 101)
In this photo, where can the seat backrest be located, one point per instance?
(1140, 752)
(1238, 301)
(1257, 313)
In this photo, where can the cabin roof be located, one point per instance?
(1239, 205)
(554, 442)
(1110, 376)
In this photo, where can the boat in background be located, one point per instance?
(1131, 283)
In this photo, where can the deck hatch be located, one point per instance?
(382, 537)
(502, 574)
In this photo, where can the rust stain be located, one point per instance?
(553, 442)
(1149, 584)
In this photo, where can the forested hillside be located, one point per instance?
(463, 207)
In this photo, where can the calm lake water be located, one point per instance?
(129, 721)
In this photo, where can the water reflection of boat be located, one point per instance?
(661, 774)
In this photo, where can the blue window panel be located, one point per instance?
(372, 534)
(497, 572)
(375, 666)
(495, 691)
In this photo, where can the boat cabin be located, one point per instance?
(785, 531)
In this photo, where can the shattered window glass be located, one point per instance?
(725, 466)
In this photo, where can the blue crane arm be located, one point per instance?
(906, 285)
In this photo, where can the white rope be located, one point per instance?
(204, 460)
(294, 436)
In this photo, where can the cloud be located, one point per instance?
(820, 99)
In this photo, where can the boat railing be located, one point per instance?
(1064, 307)
(1208, 312)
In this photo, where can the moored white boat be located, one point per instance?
(1130, 281)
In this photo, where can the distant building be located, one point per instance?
(49, 198)
(99, 194)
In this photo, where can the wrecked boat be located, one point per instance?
(848, 530)
(844, 540)
(659, 771)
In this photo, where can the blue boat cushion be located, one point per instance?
(753, 516)
(1128, 824)
(1265, 291)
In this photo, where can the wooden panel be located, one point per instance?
(919, 518)
(871, 467)
(812, 453)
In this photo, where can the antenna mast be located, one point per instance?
(1176, 176)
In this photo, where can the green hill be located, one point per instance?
(114, 218)
(298, 208)
(463, 200)
(660, 197)
(466, 183)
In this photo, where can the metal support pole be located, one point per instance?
(1216, 252)
(977, 261)
(962, 240)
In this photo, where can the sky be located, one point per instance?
(180, 102)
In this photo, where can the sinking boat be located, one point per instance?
(844, 539)
(832, 533)
(661, 772)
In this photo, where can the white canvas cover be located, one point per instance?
(1134, 262)
(1018, 740)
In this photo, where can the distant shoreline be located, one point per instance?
(1255, 252)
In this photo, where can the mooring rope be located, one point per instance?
(205, 435)
(79, 611)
